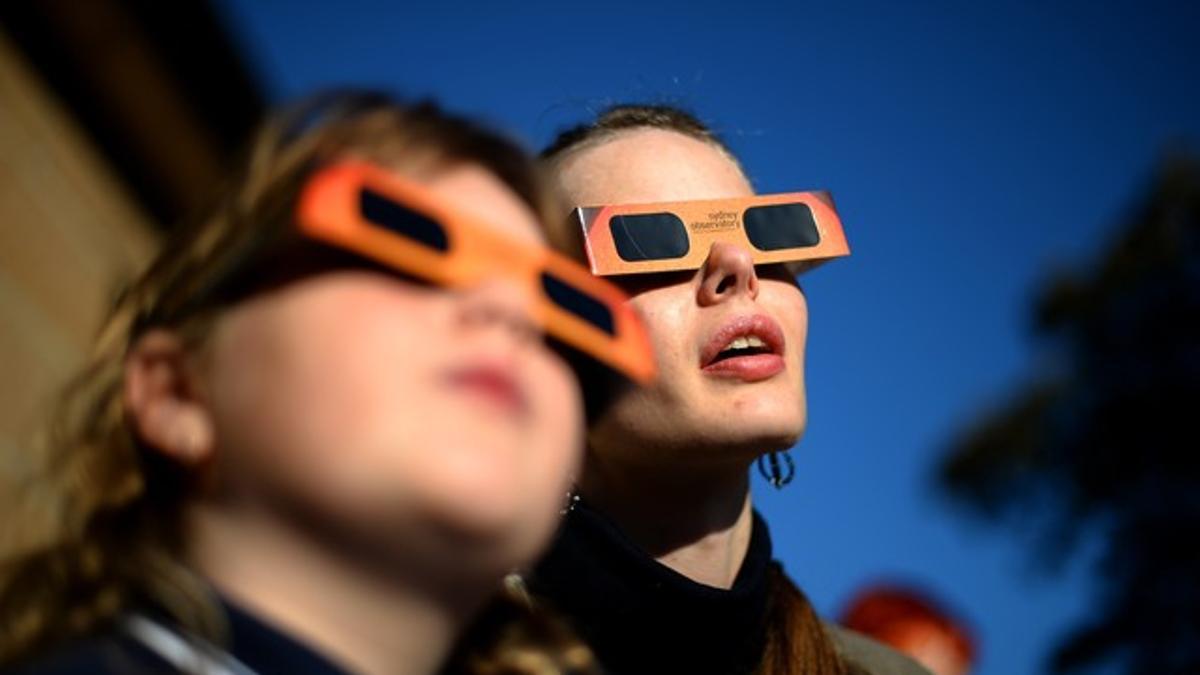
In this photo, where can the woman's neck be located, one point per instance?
(364, 619)
(697, 521)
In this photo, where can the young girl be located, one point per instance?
(325, 423)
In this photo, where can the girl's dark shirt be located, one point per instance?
(640, 616)
(262, 649)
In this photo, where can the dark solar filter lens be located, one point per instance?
(403, 221)
(778, 226)
(649, 236)
(578, 303)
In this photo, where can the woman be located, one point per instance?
(663, 565)
(324, 424)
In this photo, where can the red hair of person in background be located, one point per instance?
(915, 624)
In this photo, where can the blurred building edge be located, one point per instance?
(158, 86)
(913, 622)
(116, 118)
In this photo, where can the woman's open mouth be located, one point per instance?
(748, 348)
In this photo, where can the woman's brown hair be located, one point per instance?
(796, 640)
(96, 527)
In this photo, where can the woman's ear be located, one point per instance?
(160, 401)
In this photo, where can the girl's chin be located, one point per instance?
(502, 539)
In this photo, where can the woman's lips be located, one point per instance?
(492, 384)
(750, 367)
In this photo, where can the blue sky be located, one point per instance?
(972, 147)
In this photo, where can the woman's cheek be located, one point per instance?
(665, 314)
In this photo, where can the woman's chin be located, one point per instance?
(752, 430)
(751, 444)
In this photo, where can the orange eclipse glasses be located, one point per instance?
(801, 228)
(375, 213)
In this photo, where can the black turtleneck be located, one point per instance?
(640, 616)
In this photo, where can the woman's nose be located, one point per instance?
(728, 272)
(500, 304)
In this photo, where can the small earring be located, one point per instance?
(572, 500)
(777, 475)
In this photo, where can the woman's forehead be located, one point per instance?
(649, 165)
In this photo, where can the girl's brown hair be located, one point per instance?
(797, 642)
(96, 527)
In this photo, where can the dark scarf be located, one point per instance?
(255, 645)
(641, 617)
(267, 649)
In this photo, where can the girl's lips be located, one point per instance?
(493, 384)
